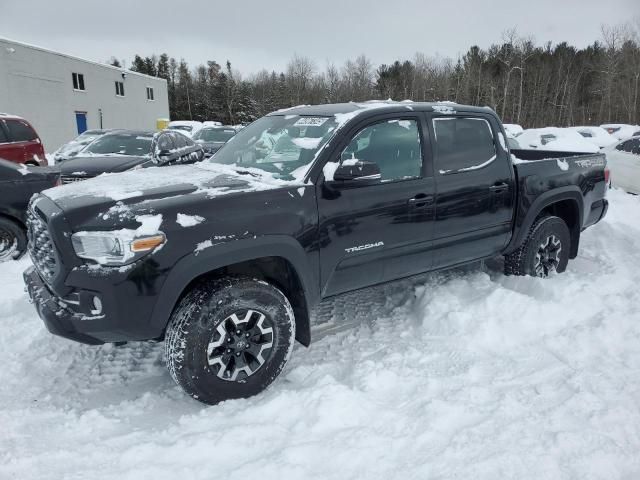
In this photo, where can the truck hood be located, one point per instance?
(92, 166)
(211, 180)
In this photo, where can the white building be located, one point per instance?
(61, 95)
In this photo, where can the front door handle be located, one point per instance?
(421, 200)
(499, 188)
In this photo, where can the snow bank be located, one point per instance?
(462, 374)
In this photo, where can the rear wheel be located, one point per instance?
(229, 338)
(544, 251)
(13, 240)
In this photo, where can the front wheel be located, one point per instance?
(13, 240)
(544, 251)
(229, 338)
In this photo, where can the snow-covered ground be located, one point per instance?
(466, 374)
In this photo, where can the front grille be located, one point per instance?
(71, 179)
(41, 247)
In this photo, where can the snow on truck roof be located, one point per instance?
(354, 108)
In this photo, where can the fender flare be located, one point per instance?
(539, 204)
(194, 265)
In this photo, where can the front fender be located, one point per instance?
(199, 263)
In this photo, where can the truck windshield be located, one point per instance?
(283, 145)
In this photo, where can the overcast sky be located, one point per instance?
(256, 34)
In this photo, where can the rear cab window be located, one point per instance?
(463, 144)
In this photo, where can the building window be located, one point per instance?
(78, 81)
(120, 89)
(150, 94)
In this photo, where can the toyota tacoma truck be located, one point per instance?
(226, 259)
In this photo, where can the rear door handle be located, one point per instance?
(421, 201)
(499, 188)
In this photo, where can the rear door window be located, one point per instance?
(20, 131)
(463, 144)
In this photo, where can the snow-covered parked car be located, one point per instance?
(555, 139)
(512, 129)
(186, 127)
(75, 146)
(122, 150)
(600, 137)
(622, 131)
(227, 259)
(212, 138)
(623, 159)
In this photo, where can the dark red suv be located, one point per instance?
(19, 142)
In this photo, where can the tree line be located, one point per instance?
(533, 85)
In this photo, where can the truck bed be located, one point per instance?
(542, 174)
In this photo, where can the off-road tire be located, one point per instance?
(13, 240)
(197, 319)
(523, 260)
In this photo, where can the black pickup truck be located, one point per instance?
(225, 259)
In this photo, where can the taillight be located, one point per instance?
(607, 175)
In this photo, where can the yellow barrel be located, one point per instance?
(162, 123)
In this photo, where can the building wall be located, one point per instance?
(37, 84)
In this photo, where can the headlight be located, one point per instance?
(115, 248)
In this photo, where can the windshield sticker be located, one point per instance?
(310, 121)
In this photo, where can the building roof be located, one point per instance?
(72, 57)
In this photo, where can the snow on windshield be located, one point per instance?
(285, 146)
(129, 144)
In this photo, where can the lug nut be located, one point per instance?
(238, 354)
(238, 332)
(228, 350)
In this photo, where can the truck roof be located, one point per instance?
(379, 106)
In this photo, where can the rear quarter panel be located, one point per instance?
(543, 182)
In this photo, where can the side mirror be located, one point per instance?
(357, 171)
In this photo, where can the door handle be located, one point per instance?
(421, 201)
(499, 188)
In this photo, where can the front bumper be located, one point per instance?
(125, 313)
(58, 319)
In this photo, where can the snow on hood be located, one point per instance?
(211, 178)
